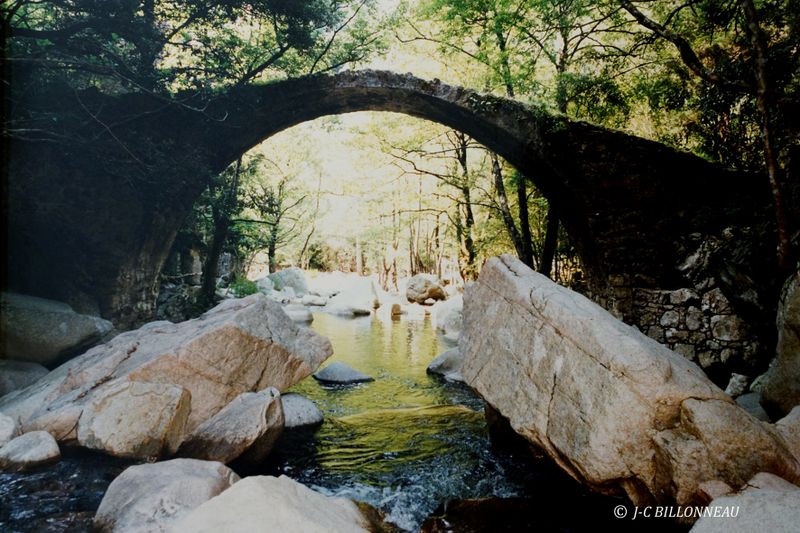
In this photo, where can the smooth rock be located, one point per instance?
(299, 411)
(15, 375)
(8, 429)
(317, 301)
(152, 497)
(737, 385)
(708, 490)
(135, 419)
(781, 385)
(768, 503)
(448, 364)
(789, 428)
(355, 300)
(265, 503)
(43, 331)
(612, 407)
(29, 450)
(245, 429)
(292, 278)
(424, 286)
(751, 402)
(299, 313)
(241, 345)
(447, 317)
(338, 372)
(265, 285)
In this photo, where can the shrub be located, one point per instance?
(241, 287)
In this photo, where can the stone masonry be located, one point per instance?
(700, 325)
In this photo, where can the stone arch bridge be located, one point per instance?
(93, 216)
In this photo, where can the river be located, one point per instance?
(406, 443)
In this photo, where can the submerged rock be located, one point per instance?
(15, 375)
(245, 429)
(299, 411)
(612, 407)
(29, 450)
(448, 364)
(43, 331)
(241, 345)
(338, 372)
(423, 287)
(266, 503)
(152, 497)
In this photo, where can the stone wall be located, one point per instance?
(699, 324)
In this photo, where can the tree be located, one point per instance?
(163, 45)
(755, 59)
(276, 206)
(223, 200)
(513, 40)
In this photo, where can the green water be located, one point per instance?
(405, 442)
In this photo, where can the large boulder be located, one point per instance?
(265, 503)
(299, 411)
(45, 331)
(355, 299)
(135, 419)
(341, 373)
(615, 409)
(152, 497)
(293, 278)
(246, 429)
(424, 286)
(241, 345)
(766, 503)
(29, 450)
(780, 389)
(15, 375)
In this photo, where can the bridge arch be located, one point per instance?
(629, 204)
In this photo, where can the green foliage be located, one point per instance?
(241, 287)
(168, 45)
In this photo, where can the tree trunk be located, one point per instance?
(469, 242)
(550, 242)
(505, 210)
(273, 264)
(524, 221)
(763, 97)
(209, 282)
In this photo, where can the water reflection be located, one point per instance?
(405, 442)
